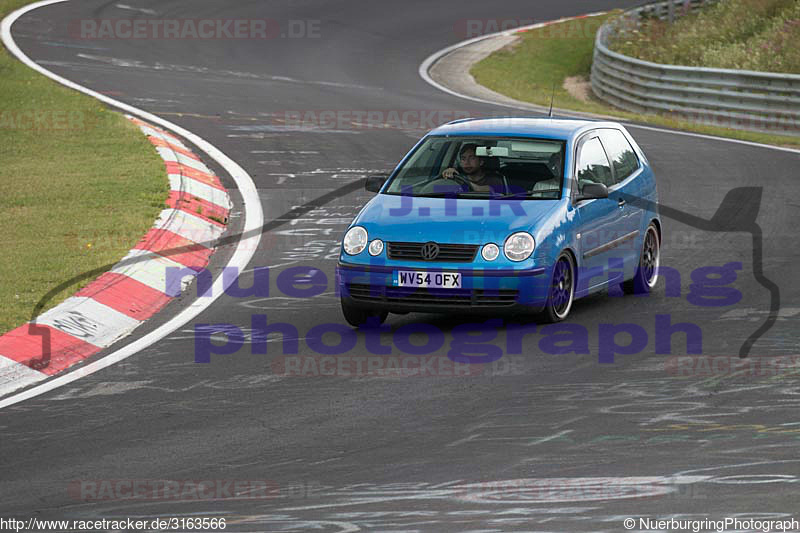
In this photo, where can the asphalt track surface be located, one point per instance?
(536, 442)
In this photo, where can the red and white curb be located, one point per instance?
(119, 301)
(251, 213)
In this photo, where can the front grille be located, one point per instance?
(431, 297)
(450, 253)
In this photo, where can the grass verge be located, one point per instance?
(528, 69)
(79, 186)
(758, 35)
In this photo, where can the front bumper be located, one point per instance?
(483, 290)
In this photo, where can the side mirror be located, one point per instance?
(375, 183)
(592, 191)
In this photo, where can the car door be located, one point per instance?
(599, 221)
(626, 169)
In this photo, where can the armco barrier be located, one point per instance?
(741, 99)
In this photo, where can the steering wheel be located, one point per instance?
(459, 178)
(430, 185)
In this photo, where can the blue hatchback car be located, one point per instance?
(504, 214)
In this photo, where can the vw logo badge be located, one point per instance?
(430, 251)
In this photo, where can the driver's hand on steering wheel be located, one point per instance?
(455, 175)
(449, 173)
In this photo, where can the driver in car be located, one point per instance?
(472, 169)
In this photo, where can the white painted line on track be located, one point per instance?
(246, 247)
(426, 65)
(138, 9)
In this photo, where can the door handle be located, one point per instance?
(621, 202)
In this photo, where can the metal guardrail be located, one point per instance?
(741, 99)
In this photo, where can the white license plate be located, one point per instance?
(437, 280)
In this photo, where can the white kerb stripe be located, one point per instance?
(89, 321)
(151, 271)
(15, 375)
(189, 226)
(150, 132)
(168, 155)
(200, 190)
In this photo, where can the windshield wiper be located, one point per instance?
(473, 194)
(492, 196)
(513, 195)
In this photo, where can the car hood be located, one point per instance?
(464, 221)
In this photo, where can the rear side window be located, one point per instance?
(621, 153)
(593, 166)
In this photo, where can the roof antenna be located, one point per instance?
(552, 97)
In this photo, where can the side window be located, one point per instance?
(622, 156)
(593, 166)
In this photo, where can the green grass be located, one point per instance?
(77, 190)
(761, 35)
(542, 58)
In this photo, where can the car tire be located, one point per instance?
(360, 317)
(561, 294)
(646, 275)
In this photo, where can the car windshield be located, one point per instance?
(482, 167)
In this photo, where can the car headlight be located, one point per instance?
(355, 240)
(490, 251)
(519, 246)
(376, 247)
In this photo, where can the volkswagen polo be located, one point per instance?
(503, 214)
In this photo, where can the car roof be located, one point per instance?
(545, 127)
